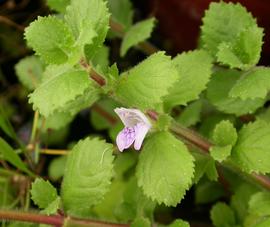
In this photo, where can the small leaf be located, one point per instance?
(12, 157)
(50, 38)
(191, 114)
(222, 215)
(43, 193)
(144, 85)
(29, 71)
(251, 151)
(136, 34)
(57, 167)
(52, 207)
(218, 94)
(87, 176)
(259, 204)
(141, 222)
(225, 134)
(252, 84)
(179, 223)
(194, 71)
(223, 22)
(54, 93)
(58, 5)
(207, 192)
(166, 163)
(220, 153)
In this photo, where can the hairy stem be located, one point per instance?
(55, 220)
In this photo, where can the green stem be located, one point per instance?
(34, 127)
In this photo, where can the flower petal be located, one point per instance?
(124, 139)
(140, 131)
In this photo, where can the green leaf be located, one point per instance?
(58, 5)
(252, 84)
(218, 94)
(52, 207)
(29, 71)
(166, 164)
(240, 199)
(222, 215)
(56, 168)
(5, 124)
(144, 85)
(88, 20)
(122, 12)
(204, 165)
(220, 153)
(194, 71)
(244, 52)
(54, 93)
(179, 223)
(57, 120)
(100, 60)
(259, 204)
(225, 134)
(43, 193)
(191, 115)
(87, 176)
(223, 22)
(224, 137)
(12, 157)
(136, 34)
(141, 222)
(251, 151)
(51, 38)
(208, 192)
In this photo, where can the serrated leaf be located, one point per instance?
(87, 176)
(58, 5)
(204, 165)
(251, 151)
(144, 85)
(141, 222)
(179, 223)
(194, 71)
(252, 84)
(89, 21)
(52, 207)
(259, 204)
(43, 193)
(51, 39)
(218, 94)
(29, 71)
(136, 34)
(172, 181)
(12, 157)
(224, 133)
(222, 215)
(220, 153)
(244, 51)
(122, 12)
(223, 22)
(54, 93)
(191, 114)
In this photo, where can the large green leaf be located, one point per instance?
(87, 176)
(144, 85)
(194, 71)
(165, 169)
(55, 92)
(51, 38)
(251, 151)
(218, 94)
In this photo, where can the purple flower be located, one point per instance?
(136, 127)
